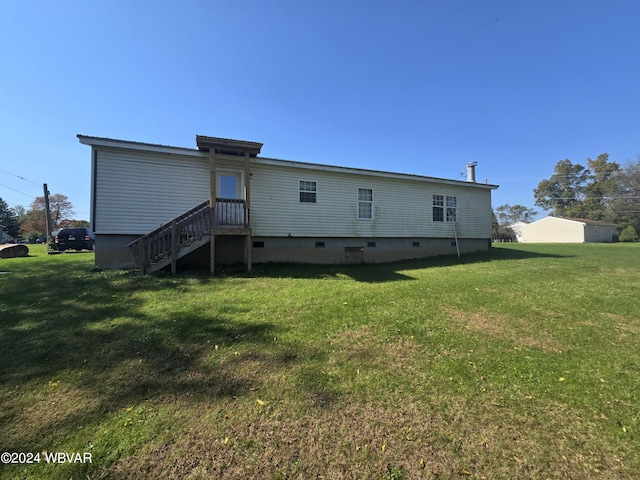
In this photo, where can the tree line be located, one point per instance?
(600, 190)
(30, 224)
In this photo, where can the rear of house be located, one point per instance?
(254, 209)
(567, 230)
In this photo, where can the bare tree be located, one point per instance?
(60, 206)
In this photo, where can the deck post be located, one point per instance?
(212, 177)
(174, 246)
(247, 252)
(212, 264)
(212, 211)
(247, 206)
(247, 183)
(142, 260)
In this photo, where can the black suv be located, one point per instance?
(77, 238)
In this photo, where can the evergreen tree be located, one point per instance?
(8, 219)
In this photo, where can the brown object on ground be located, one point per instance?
(10, 250)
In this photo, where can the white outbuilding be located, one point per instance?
(567, 230)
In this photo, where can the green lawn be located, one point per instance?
(519, 363)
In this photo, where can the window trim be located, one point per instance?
(315, 192)
(451, 207)
(365, 202)
(444, 208)
(437, 207)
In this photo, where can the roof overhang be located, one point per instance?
(225, 146)
(372, 173)
(586, 221)
(145, 147)
(228, 146)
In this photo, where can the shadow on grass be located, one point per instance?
(388, 271)
(91, 334)
(73, 331)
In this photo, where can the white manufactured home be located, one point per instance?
(155, 206)
(567, 230)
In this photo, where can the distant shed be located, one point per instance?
(567, 230)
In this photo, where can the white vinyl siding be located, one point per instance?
(401, 205)
(136, 192)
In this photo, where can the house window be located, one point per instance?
(308, 191)
(365, 203)
(452, 209)
(258, 244)
(445, 208)
(415, 244)
(319, 244)
(371, 244)
(438, 208)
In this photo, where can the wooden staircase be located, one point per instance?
(173, 240)
(184, 234)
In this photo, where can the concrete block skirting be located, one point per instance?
(357, 250)
(111, 251)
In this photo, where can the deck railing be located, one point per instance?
(231, 212)
(167, 240)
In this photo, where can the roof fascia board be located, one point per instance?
(564, 219)
(148, 147)
(593, 223)
(144, 147)
(363, 171)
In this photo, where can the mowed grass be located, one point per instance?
(519, 363)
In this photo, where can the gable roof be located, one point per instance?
(583, 221)
(590, 222)
(204, 143)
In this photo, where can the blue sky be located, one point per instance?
(408, 86)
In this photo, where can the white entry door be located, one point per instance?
(229, 207)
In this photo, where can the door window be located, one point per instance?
(228, 186)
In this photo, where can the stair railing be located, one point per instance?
(167, 240)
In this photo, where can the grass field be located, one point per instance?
(519, 363)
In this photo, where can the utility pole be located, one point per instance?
(47, 212)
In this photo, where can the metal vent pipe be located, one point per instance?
(471, 172)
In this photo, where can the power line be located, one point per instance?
(18, 191)
(21, 178)
(586, 197)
